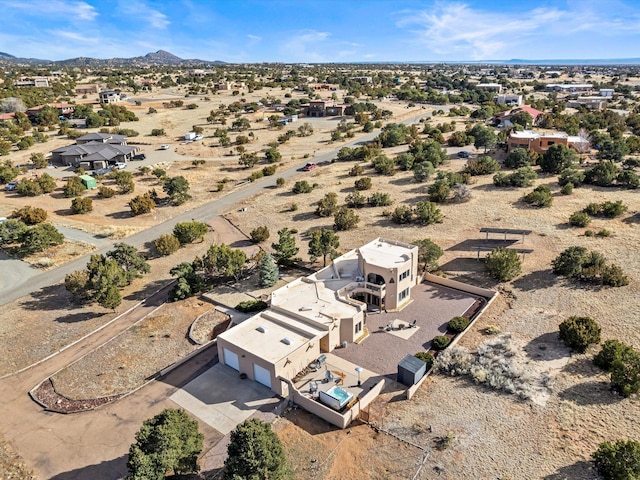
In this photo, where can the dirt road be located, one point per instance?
(32, 280)
(92, 444)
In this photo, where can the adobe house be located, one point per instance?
(540, 142)
(320, 312)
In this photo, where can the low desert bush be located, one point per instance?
(427, 358)
(458, 324)
(578, 333)
(440, 342)
(249, 306)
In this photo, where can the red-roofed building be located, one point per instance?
(7, 116)
(503, 119)
(65, 109)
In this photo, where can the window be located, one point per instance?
(405, 275)
(403, 294)
(358, 327)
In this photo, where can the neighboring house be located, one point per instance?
(95, 151)
(111, 96)
(362, 80)
(592, 103)
(64, 109)
(607, 92)
(508, 99)
(491, 87)
(320, 108)
(503, 119)
(33, 82)
(5, 117)
(86, 89)
(540, 142)
(569, 88)
(320, 312)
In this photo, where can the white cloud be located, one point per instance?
(145, 13)
(255, 38)
(478, 34)
(71, 35)
(57, 8)
(305, 46)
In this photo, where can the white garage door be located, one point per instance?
(262, 375)
(231, 359)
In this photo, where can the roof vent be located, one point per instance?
(305, 309)
(262, 329)
(286, 341)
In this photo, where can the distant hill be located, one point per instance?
(161, 57)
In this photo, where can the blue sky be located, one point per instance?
(322, 30)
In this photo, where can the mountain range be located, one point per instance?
(160, 57)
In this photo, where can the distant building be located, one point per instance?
(540, 142)
(95, 151)
(491, 87)
(64, 109)
(362, 80)
(508, 99)
(569, 88)
(111, 96)
(591, 103)
(320, 108)
(86, 88)
(33, 82)
(503, 119)
(607, 92)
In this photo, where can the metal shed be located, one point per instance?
(410, 370)
(88, 181)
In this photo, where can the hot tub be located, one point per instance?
(335, 397)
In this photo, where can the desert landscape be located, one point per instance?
(453, 427)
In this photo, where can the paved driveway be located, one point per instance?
(221, 399)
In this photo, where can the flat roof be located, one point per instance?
(266, 338)
(505, 230)
(387, 254)
(532, 134)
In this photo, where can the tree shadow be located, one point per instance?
(547, 347)
(581, 469)
(149, 289)
(63, 212)
(403, 181)
(115, 468)
(121, 214)
(535, 281)
(53, 297)
(590, 393)
(633, 219)
(304, 216)
(463, 265)
(79, 317)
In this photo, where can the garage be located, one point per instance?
(262, 375)
(231, 359)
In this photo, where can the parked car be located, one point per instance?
(463, 154)
(101, 171)
(11, 186)
(164, 147)
(309, 166)
(199, 137)
(140, 156)
(120, 166)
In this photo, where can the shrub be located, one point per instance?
(569, 263)
(613, 209)
(81, 205)
(106, 192)
(440, 342)
(571, 175)
(255, 176)
(628, 179)
(458, 324)
(481, 166)
(402, 214)
(74, 187)
(461, 193)
(625, 374)
(423, 171)
(523, 177)
(269, 170)
(579, 332)
(157, 132)
(579, 219)
(356, 170)
(345, 219)
(189, 232)
(439, 191)
(603, 174)
(567, 189)
(540, 197)
(557, 158)
(363, 183)
(30, 215)
(259, 234)
(593, 209)
(302, 186)
(603, 233)
(613, 276)
(611, 351)
(384, 165)
(249, 306)
(503, 264)
(327, 205)
(355, 200)
(40, 237)
(142, 204)
(427, 358)
(166, 244)
(280, 182)
(379, 199)
(428, 213)
(518, 157)
(618, 461)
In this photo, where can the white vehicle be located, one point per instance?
(199, 137)
(164, 147)
(120, 165)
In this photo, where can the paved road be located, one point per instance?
(81, 236)
(27, 285)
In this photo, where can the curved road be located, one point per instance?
(10, 291)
